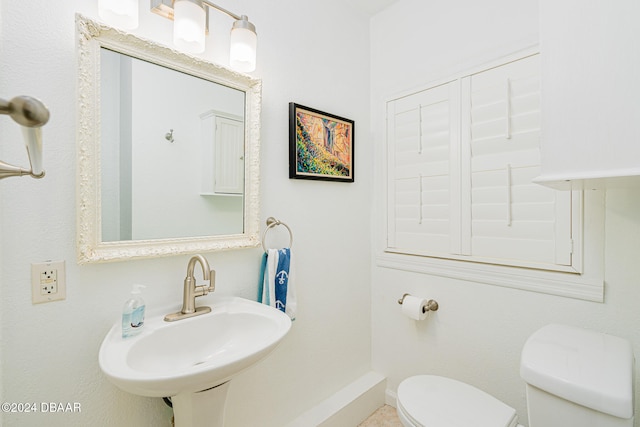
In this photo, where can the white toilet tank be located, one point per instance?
(578, 378)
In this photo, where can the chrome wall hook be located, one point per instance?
(169, 136)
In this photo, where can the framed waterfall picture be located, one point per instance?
(320, 145)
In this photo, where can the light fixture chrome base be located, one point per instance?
(164, 8)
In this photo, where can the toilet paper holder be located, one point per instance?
(431, 305)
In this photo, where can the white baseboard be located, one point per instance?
(390, 398)
(349, 406)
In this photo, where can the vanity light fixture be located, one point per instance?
(189, 28)
(31, 115)
(119, 13)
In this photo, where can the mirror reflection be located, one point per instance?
(172, 152)
(168, 158)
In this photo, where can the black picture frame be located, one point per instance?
(321, 145)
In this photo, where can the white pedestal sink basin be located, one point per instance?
(192, 359)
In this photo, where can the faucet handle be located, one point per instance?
(212, 281)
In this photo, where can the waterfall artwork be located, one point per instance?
(320, 145)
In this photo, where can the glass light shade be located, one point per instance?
(119, 13)
(189, 21)
(242, 55)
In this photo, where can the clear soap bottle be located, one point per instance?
(133, 313)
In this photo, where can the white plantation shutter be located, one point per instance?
(461, 159)
(422, 127)
(512, 219)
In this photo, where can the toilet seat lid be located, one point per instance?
(434, 401)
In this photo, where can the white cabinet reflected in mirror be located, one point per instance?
(168, 150)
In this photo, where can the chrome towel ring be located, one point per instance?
(271, 223)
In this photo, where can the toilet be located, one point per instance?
(434, 401)
(574, 377)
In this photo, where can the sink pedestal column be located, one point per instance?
(200, 409)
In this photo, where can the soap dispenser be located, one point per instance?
(133, 313)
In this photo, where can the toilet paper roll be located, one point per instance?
(412, 307)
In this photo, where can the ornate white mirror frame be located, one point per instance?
(91, 37)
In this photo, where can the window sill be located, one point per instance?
(579, 286)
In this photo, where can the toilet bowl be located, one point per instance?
(574, 377)
(435, 401)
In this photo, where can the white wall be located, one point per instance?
(478, 332)
(49, 351)
(575, 58)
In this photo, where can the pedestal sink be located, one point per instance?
(192, 360)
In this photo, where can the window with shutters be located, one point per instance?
(461, 157)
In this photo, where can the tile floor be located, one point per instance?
(383, 417)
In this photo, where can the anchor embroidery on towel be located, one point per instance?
(282, 277)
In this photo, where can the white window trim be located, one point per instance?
(587, 285)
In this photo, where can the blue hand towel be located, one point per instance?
(276, 285)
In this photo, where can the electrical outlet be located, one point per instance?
(48, 282)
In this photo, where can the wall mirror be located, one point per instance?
(168, 150)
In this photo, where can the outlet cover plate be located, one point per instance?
(48, 282)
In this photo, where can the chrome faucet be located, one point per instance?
(191, 290)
